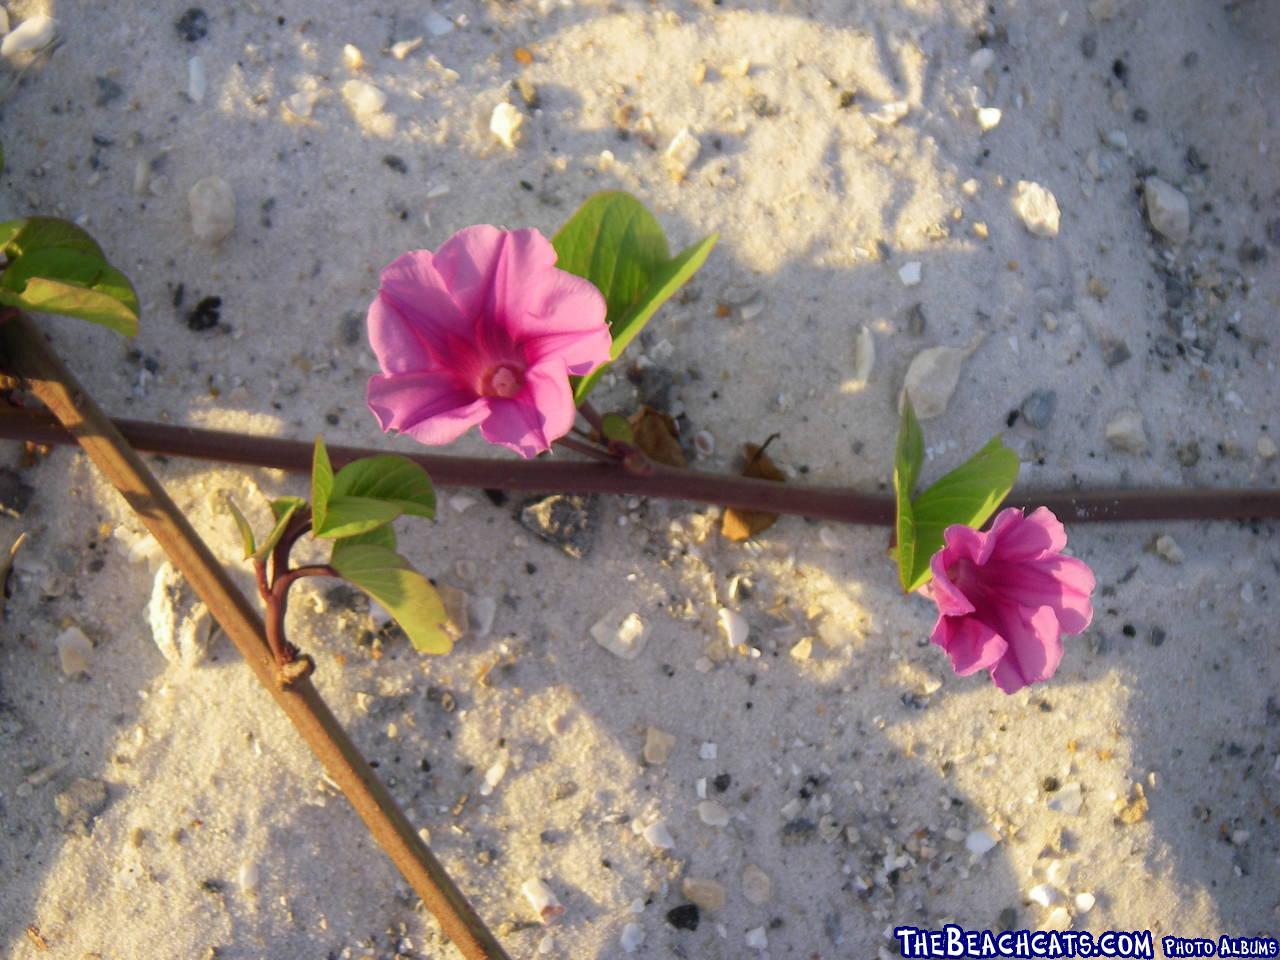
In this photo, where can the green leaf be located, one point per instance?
(383, 536)
(391, 479)
(283, 508)
(321, 484)
(907, 460)
(21, 237)
(617, 427)
(246, 531)
(72, 282)
(349, 516)
(406, 594)
(967, 495)
(615, 243)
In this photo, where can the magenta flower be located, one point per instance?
(485, 331)
(1005, 597)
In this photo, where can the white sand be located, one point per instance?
(207, 786)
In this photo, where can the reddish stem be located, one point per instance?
(560, 476)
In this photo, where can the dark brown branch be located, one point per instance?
(553, 475)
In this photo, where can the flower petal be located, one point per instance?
(950, 600)
(563, 317)
(971, 644)
(1015, 537)
(1035, 646)
(517, 425)
(963, 543)
(488, 271)
(547, 387)
(414, 319)
(430, 407)
(1065, 584)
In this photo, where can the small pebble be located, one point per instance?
(542, 898)
(681, 154)
(75, 651)
(1037, 409)
(658, 836)
(1037, 208)
(197, 82)
(505, 123)
(756, 885)
(757, 939)
(632, 937)
(658, 745)
(910, 273)
(684, 917)
(733, 627)
(803, 649)
(988, 118)
(1267, 449)
(713, 814)
(981, 842)
(1044, 894)
(363, 98)
(864, 356)
(405, 47)
(193, 25)
(1168, 549)
(1167, 209)
(890, 113)
(352, 57)
(708, 751)
(247, 877)
(1085, 902)
(704, 443)
(1068, 800)
(1126, 432)
(932, 377)
(706, 894)
(34, 33)
(492, 777)
(212, 204)
(622, 634)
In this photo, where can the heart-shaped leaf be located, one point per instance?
(406, 594)
(389, 478)
(349, 516)
(73, 282)
(614, 242)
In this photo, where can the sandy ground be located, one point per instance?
(157, 809)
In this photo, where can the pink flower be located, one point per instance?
(1005, 597)
(484, 331)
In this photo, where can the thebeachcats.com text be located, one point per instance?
(954, 942)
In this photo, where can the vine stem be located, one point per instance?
(23, 351)
(553, 475)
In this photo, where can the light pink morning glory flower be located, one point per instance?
(1006, 597)
(485, 331)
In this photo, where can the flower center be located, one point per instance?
(964, 574)
(504, 380)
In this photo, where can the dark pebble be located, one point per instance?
(1121, 71)
(684, 917)
(721, 782)
(1189, 453)
(15, 493)
(1129, 630)
(1115, 352)
(206, 314)
(1089, 45)
(1037, 409)
(1050, 784)
(496, 497)
(847, 98)
(567, 520)
(108, 90)
(798, 830)
(193, 25)
(916, 320)
(1157, 636)
(351, 328)
(761, 106)
(1250, 252)
(395, 163)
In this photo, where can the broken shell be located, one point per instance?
(932, 378)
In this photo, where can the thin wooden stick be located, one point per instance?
(570, 476)
(29, 357)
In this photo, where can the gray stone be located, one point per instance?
(1115, 352)
(15, 493)
(569, 520)
(1126, 432)
(1167, 209)
(1037, 408)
